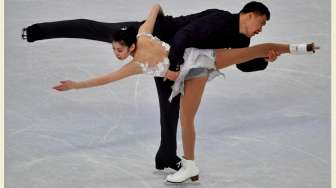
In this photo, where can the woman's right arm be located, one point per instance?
(125, 71)
(148, 25)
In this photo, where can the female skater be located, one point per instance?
(150, 57)
(208, 29)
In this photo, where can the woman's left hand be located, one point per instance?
(171, 75)
(65, 85)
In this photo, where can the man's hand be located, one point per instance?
(65, 85)
(171, 75)
(272, 55)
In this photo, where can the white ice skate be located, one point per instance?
(299, 49)
(188, 170)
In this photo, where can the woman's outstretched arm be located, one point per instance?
(148, 25)
(125, 71)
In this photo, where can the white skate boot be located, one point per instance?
(188, 170)
(303, 48)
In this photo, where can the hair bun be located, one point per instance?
(126, 35)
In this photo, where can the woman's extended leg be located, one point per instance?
(227, 57)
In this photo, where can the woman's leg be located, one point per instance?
(78, 28)
(227, 57)
(190, 102)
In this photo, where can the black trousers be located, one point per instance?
(100, 31)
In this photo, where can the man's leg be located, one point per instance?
(169, 115)
(79, 28)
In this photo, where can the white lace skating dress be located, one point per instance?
(194, 58)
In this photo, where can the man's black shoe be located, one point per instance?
(24, 34)
(160, 165)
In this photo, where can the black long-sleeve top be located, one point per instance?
(209, 29)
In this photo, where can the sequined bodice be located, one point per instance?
(160, 68)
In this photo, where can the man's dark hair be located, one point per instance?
(126, 36)
(256, 7)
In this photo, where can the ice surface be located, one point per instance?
(264, 129)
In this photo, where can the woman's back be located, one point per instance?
(150, 50)
(151, 54)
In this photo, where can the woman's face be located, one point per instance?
(121, 50)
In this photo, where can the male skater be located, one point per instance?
(209, 29)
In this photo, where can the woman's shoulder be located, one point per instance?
(144, 34)
(141, 42)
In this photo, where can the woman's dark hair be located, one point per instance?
(256, 7)
(126, 36)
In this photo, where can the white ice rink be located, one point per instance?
(268, 129)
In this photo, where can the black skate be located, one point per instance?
(24, 34)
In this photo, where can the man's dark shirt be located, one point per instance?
(209, 29)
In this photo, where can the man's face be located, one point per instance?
(255, 24)
(121, 51)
